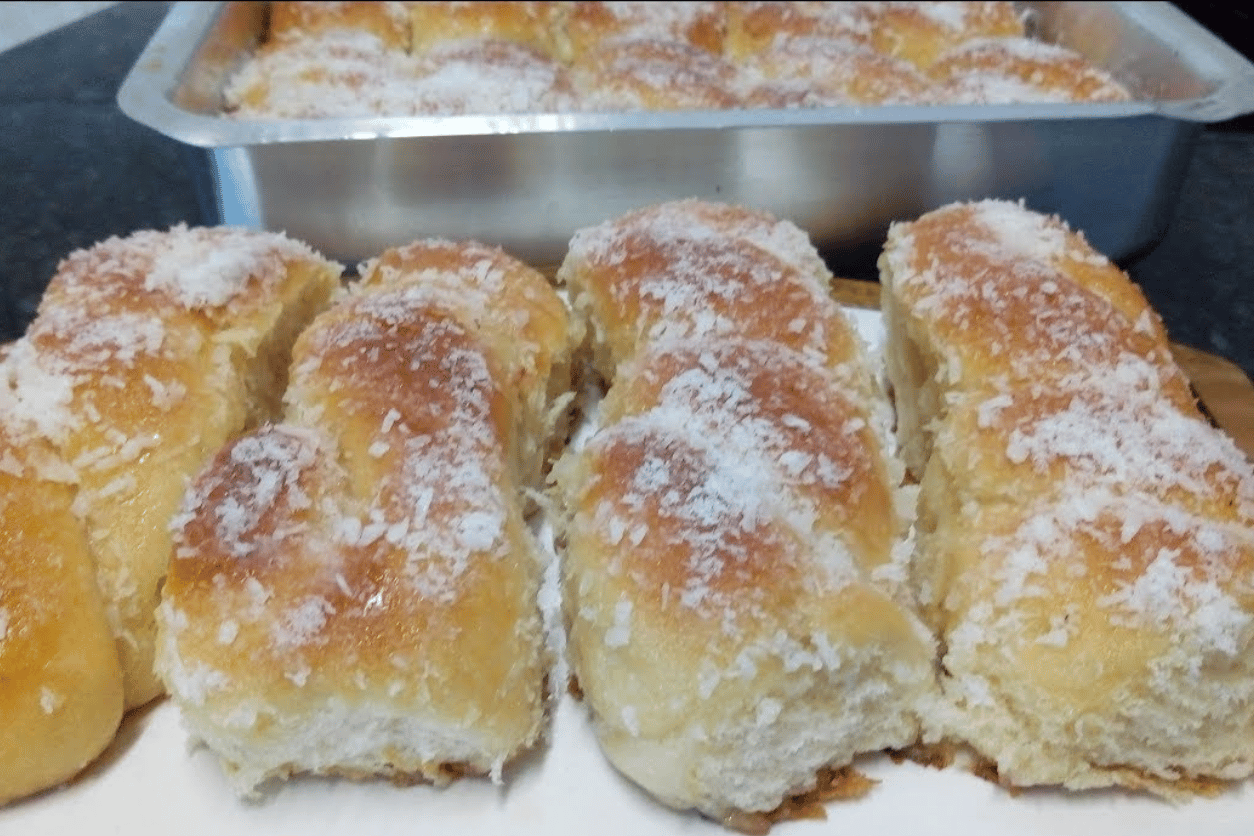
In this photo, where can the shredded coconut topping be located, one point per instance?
(1173, 571)
(1082, 480)
(691, 270)
(1023, 70)
(718, 510)
(194, 267)
(261, 471)
(737, 457)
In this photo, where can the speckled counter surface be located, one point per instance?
(75, 170)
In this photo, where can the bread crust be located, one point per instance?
(146, 354)
(731, 527)
(60, 682)
(371, 553)
(1085, 546)
(169, 344)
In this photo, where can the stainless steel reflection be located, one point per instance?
(353, 187)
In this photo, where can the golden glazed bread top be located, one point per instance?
(217, 271)
(524, 321)
(1019, 70)
(1042, 441)
(347, 73)
(714, 552)
(517, 316)
(390, 22)
(654, 74)
(529, 24)
(1099, 556)
(1015, 297)
(341, 73)
(135, 330)
(489, 75)
(754, 27)
(761, 400)
(695, 270)
(920, 32)
(826, 72)
(585, 27)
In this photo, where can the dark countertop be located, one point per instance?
(74, 170)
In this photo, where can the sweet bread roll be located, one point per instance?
(653, 74)
(387, 21)
(337, 74)
(529, 24)
(60, 683)
(149, 352)
(1085, 539)
(920, 32)
(753, 27)
(355, 591)
(733, 581)
(825, 72)
(1094, 638)
(487, 76)
(1019, 70)
(585, 27)
(697, 269)
(990, 292)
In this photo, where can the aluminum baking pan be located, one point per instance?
(352, 187)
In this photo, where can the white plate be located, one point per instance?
(149, 784)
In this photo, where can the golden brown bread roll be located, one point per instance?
(753, 27)
(732, 577)
(1085, 547)
(584, 27)
(653, 74)
(487, 76)
(388, 21)
(699, 269)
(529, 24)
(146, 354)
(60, 682)
(989, 292)
(354, 591)
(827, 72)
(919, 32)
(1010, 70)
(341, 73)
(159, 347)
